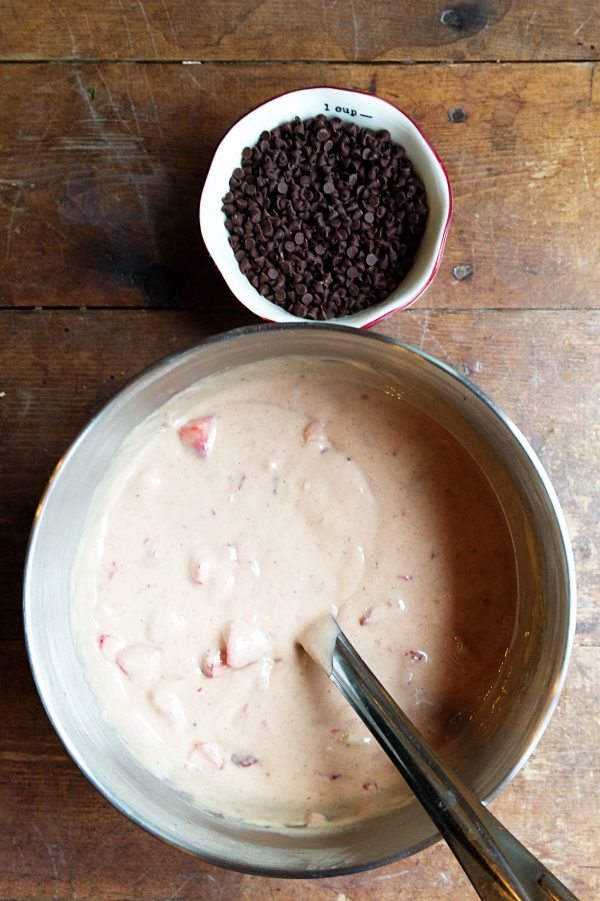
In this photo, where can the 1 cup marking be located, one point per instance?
(345, 109)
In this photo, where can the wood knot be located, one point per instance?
(462, 271)
(457, 114)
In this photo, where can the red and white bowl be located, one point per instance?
(352, 107)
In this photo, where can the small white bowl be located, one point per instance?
(352, 107)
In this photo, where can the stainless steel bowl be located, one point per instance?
(500, 742)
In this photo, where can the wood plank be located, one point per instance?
(99, 193)
(58, 368)
(272, 30)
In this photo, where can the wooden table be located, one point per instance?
(109, 113)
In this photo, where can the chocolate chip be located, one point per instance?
(324, 218)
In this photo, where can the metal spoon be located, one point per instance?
(498, 866)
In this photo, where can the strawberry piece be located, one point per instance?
(167, 703)
(245, 644)
(204, 752)
(213, 663)
(140, 663)
(109, 645)
(211, 752)
(315, 433)
(199, 435)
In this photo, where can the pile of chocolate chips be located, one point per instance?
(325, 217)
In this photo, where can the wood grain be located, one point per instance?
(102, 271)
(99, 194)
(275, 30)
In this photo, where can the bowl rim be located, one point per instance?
(49, 704)
(363, 319)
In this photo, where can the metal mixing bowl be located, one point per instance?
(500, 741)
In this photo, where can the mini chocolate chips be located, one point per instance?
(324, 217)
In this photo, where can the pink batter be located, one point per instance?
(240, 512)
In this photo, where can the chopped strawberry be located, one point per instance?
(109, 645)
(212, 752)
(213, 663)
(315, 433)
(245, 644)
(199, 435)
(203, 753)
(166, 702)
(140, 662)
(253, 566)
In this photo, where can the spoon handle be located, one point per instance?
(498, 866)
